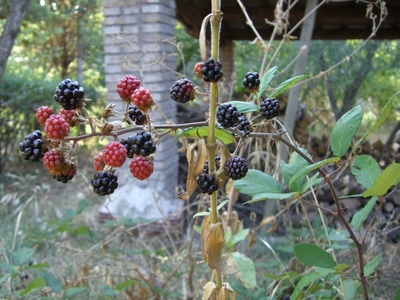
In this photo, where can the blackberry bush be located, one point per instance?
(126, 86)
(136, 115)
(212, 71)
(269, 108)
(104, 183)
(208, 184)
(236, 167)
(251, 81)
(227, 115)
(182, 91)
(32, 145)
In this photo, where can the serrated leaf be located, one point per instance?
(298, 176)
(344, 131)
(202, 131)
(247, 271)
(384, 181)
(82, 205)
(350, 288)
(296, 164)
(271, 196)
(244, 107)
(123, 285)
(371, 266)
(312, 255)
(360, 216)
(265, 80)
(286, 85)
(385, 113)
(22, 256)
(74, 291)
(304, 281)
(256, 182)
(35, 284)
(365, 169)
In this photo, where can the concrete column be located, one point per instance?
(136, 43)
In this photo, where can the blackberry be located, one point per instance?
(217, 164)
(244, 125)
(136, 115)
(212, 71)
(236, 167)
(67, 175)
(104, 183)
(207, 183)
(251, 81)
(139, 144)
(227, 115)
(182, 91)
(269, 108)
(69, 94)
(31, 147)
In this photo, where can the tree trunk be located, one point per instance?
(11, 30)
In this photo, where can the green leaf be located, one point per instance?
(384, 181)
(371, 266)
(360, 216)
(123, 285)
(304, 281)
(7, 267)
(338, 235)
(247, 271)
(271, 196)
(244, 107)
(300, 175)
(286, 85)
(315, 180)
(385, 113)
(312, 255)
(345, 129)
(296, 164)
(74, 291)
(201, 213)
(35, 284)
(397, 296)
(106, 290)
(257, 182)
(22, 256)
(82, 205)
(239, 236)
(265, 80)
(38, 266)
(350, 288)
(365, 169)
(52, 282)
(198, 132)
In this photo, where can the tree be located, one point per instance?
(11, 30)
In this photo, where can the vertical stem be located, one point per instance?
(215, 30)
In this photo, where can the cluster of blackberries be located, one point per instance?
(236, 167)
(31, 147)
(69, 94)
(104, 183)
(217, 164)
(182, 91)
(251, 81)
(211, 70)
(269, 108)
(139, 144)
(228, 116)
(208, 183)
(136, 115)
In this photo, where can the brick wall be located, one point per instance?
(136, 43)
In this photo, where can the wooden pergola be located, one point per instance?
(335, 19)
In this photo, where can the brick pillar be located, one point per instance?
(136, 35)
(228, 66)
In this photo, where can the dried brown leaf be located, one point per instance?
(226, 292)
(196, 160)
(203, 38)
(205, 231)
(210, 291)
(214, 243)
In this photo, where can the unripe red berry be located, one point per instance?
(56, 127)
(114, 154)
(141, 167)
(43, 113)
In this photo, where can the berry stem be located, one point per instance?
(211, 143)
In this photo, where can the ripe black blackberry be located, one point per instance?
(217, 164)
(244, 125)
(236, 167)
(104, 183)
(212, 70)
(182, 91)
(69, 94)
(136, 115)
(31, 147)
(139, 144)
(207, 183)
(270, 108)
(227, 115)
(251, 81)
(63, 178)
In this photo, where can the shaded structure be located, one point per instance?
(335, 20)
